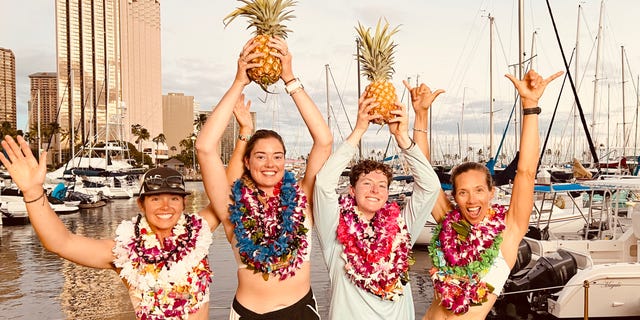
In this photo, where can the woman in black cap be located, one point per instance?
(160, 254)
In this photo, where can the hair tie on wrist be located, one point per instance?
(36, 199)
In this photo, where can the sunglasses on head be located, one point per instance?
(171, 182)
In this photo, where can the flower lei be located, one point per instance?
(271, 236)
(172, 280)
(376, 254)
(462, 254)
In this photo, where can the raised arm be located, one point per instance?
(207, 143)
(29, 174)
(235, 167)
(320, 133)
(530, 90)
(421, 99)
(426, 185)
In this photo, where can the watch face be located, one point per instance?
(293, 86)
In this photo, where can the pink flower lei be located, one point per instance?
(376, 254)
(462, 253)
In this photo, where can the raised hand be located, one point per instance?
(531, 87)
(24, 168)
(364, 117)
(285, 57)
(243, 115)
(422, 97)
(399, 125)
(244, 62)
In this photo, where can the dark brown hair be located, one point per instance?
(365, 167)
(258, 135)
(468, 166)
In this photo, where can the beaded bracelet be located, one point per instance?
(420, 130)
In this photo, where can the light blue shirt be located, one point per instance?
(347, 300)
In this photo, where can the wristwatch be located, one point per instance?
(293, 86)
(528, 111)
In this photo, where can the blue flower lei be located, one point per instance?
(275, 243)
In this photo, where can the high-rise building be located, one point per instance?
(109, 69)
(177, 110)
(8, 87)
(43, 109)
(230, 136)
(43, 103)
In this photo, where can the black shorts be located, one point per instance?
(305, 309)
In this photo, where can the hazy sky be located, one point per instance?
(442, 43)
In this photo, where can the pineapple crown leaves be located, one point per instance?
(376, 52)
(265, 15)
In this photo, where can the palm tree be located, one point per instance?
(7, 129)
(160, 138)
(141, 134)
(199, 121)
(188, 144)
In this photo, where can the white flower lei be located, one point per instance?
(174, 277)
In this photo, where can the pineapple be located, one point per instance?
(376, 58)
(267, 17)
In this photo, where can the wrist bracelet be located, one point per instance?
(244, 137)
(293, 86)
(34, 200)
(420, 130)
(292, 80)
(413, 143)
(528, 111)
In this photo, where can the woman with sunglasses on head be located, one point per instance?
(266, 213)
(160, 254)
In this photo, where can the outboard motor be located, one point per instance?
(551, 271)
(523, 259)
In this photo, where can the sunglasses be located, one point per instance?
(157, 183)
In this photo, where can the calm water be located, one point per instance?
(36, 284)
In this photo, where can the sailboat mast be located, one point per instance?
(625, 137)
(72, 129)
(358, 64)
(326, 70)
(596, 91)
(577, 69)
(520, 62)
(490, 86)
(39, 118)
(464, 92)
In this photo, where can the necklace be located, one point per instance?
(271, 235)
(169, 280)
(376, 253)
(462, 253)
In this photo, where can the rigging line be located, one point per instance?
(553, 116)
(340, 98)
(453, 82)
(333, 112)
(575, 93)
